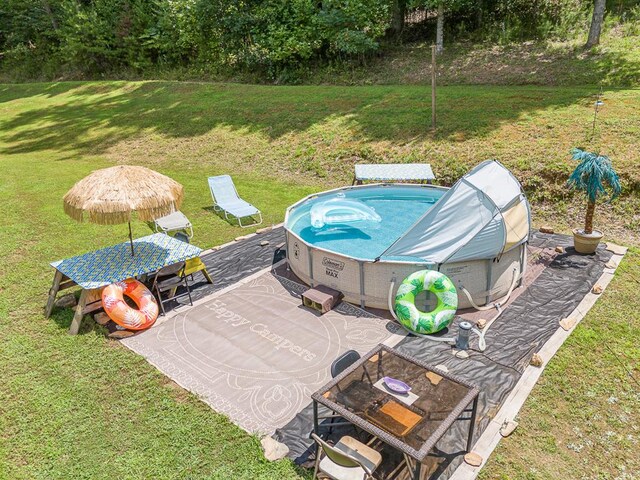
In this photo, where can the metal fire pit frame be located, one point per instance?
(413, 458)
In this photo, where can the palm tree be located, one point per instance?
(594, 176)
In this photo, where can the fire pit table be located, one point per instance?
(412, 422)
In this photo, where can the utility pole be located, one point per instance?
(598, 104)
(433, 87)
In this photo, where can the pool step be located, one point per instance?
(321, 298)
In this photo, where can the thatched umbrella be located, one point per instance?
(109, 196)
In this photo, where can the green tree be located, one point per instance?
(398, 11)
(442, 8)
(596, 23)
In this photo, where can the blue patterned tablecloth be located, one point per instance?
(394, 171)
(113, 264)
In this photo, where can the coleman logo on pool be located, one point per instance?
(332, 267)
(334, 264)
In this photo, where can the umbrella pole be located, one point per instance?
(131, 239)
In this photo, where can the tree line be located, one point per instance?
(93, 38)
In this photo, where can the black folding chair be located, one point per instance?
(344, 361)
(338, 366)
(168, 279)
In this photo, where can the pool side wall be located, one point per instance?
(367, 283)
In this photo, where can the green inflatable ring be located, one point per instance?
(430, 322)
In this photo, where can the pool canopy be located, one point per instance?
(483, 215)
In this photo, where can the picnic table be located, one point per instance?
(94, 270)
(411, 423)
(383, 172)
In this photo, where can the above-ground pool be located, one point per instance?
(360, 239)
(398, 206)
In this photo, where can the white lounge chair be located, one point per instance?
(226, 199)
(173, 222)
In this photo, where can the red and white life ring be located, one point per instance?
(121, 313)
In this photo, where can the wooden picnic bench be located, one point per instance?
(95, 270)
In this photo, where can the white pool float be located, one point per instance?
(337, 211)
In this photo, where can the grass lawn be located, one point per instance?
(582, 420)
(85, 407)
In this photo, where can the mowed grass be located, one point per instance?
(86, 407)
(312, 136)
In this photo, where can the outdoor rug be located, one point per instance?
(554, 286)
(254, 353)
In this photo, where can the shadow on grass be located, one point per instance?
(62, 316)
(250, 221)
(98, 115)
(10, 92)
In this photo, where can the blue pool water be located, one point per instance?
(354, 231)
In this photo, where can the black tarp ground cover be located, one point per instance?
(521, 330)
(528, 323)
(234, 262)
